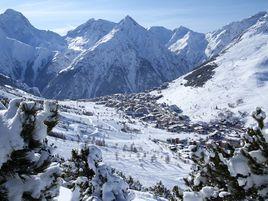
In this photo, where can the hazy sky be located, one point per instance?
(199, 15)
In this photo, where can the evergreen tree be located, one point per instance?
(226, 173)
(91, 179)
(78, 175)
(26, 168)
(159, 190)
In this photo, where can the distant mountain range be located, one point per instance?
(101, 57)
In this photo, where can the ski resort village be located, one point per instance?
(115, 110)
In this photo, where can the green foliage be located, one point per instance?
(177, 193)
(29, 125)
(3, 190)
(159, 190)
(77, 166)
(211, 165)
(53, 120)
(132, 183)
(4, 101)
(22, 164)
(77, 173)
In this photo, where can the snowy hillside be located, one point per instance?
(128, 59)
(6, 82)
(221, 38)
(145, 142)
(236, 80)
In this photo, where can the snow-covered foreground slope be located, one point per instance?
(107, 124)
(66, 195)
(237, 80)
(133, 147)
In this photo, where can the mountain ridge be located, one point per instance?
(154, 51)
(130, 52)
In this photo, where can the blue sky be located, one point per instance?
(199, 15)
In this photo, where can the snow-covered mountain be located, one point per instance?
(196, 48)
(161, 33)
(78, 41)
(189, 45)
(128, 59)
(185, 43)
(101, 57)
(236, 80)
(178, 34)
(218, 40)
(26, 52)
(21, 61)
(7, 82)
(86, 35)
(14, 25)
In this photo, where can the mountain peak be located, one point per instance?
(91, 31)
(178, 34)
(182, 29)
(11, 15)
(128, 21)
(259, 14)
(10, 11)
(90, 21)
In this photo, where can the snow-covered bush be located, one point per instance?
(26, 168)
(159, 190)
(4, 103)
(224, 172)
(91, 179)
(228, 117)
(132, 183)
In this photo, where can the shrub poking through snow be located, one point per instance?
(159, 190)
(91, 179)
(26, 168)
(226, 173)
(132, 183)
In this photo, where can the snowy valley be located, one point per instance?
(115, 111)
